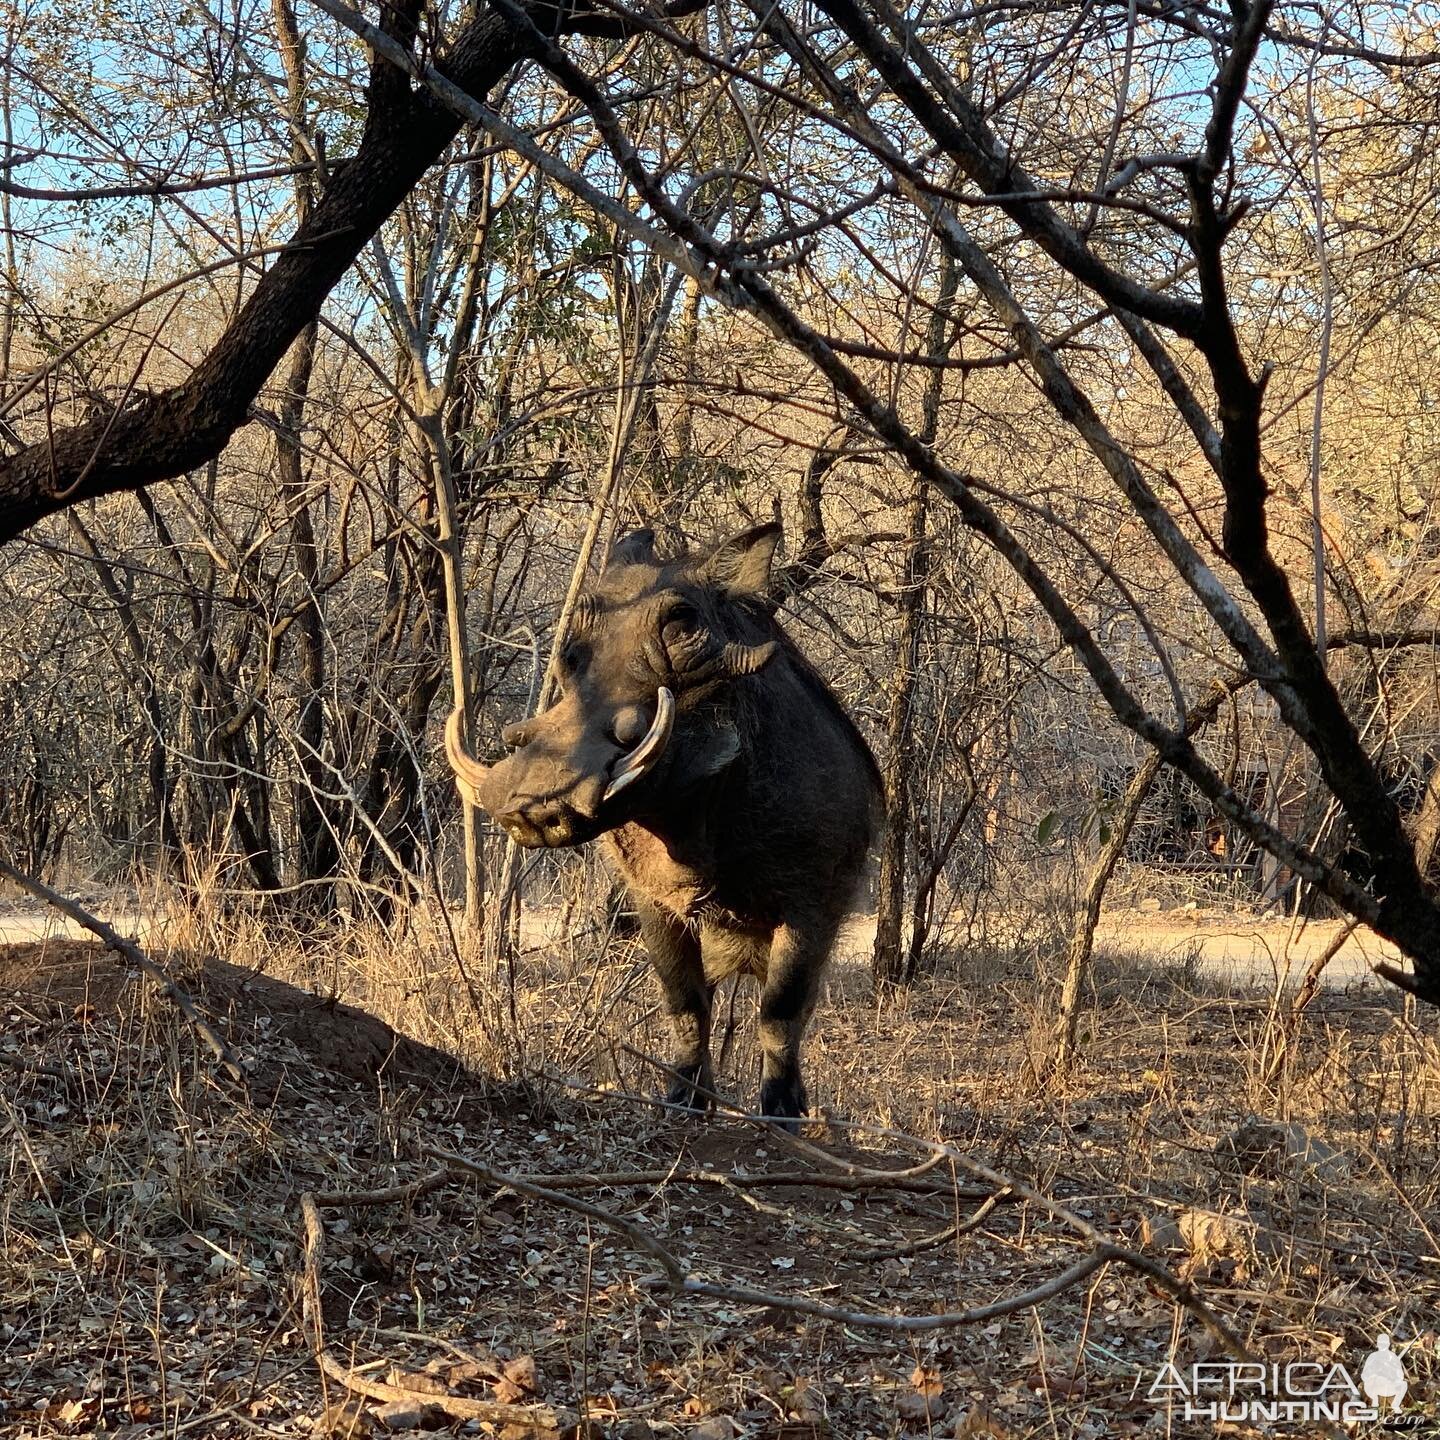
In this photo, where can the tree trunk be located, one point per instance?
(1082, 939)
(893, 963)
(167, 836)
(315, 842)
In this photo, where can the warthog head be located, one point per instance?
(646, 711)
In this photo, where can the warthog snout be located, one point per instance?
(565, 769)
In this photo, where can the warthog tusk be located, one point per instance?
(470, 774)
(640, 759)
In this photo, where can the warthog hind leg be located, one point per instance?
(797, 959)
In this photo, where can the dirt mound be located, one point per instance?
(281, 1025)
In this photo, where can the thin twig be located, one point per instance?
(1182, 1291)
(941, 1237)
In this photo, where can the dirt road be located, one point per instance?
(1251, 951)
(1247, 951)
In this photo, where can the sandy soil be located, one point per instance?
(1250, 950)
(1221, 947)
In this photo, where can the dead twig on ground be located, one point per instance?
(1183, 1292)
(933, 1242)
(540, 1419)
(395, 1194)
(675, 1277)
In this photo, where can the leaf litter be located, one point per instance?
(153, 1265)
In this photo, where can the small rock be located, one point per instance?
(400, 1414)
(717, 1427)
(1150, 907)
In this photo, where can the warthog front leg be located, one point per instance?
(675, 954)
(792, 982)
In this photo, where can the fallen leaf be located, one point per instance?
(981, 1420)
(927, 1380)
(507, 1392)
(521, 1371)
(518, 1380)
(77, 1412)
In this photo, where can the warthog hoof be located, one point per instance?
(682, 1092)
(785, 1101)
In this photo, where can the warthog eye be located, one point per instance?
(680, 625)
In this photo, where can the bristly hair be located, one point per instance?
(587, 610)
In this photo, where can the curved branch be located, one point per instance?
(175, 430)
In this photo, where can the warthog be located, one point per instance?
(734, 795)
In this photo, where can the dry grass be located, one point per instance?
(150, 1230)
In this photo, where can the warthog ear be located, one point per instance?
(741, 564)
(636, 548)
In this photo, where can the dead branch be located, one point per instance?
(942, 1237)
(757, 1180)
(634, 1179)
(675, 1277)
(639, 1238)
(387, 1195)
(906, 1324)
(1181, 1291)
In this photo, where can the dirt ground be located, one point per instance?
(153, 1270)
